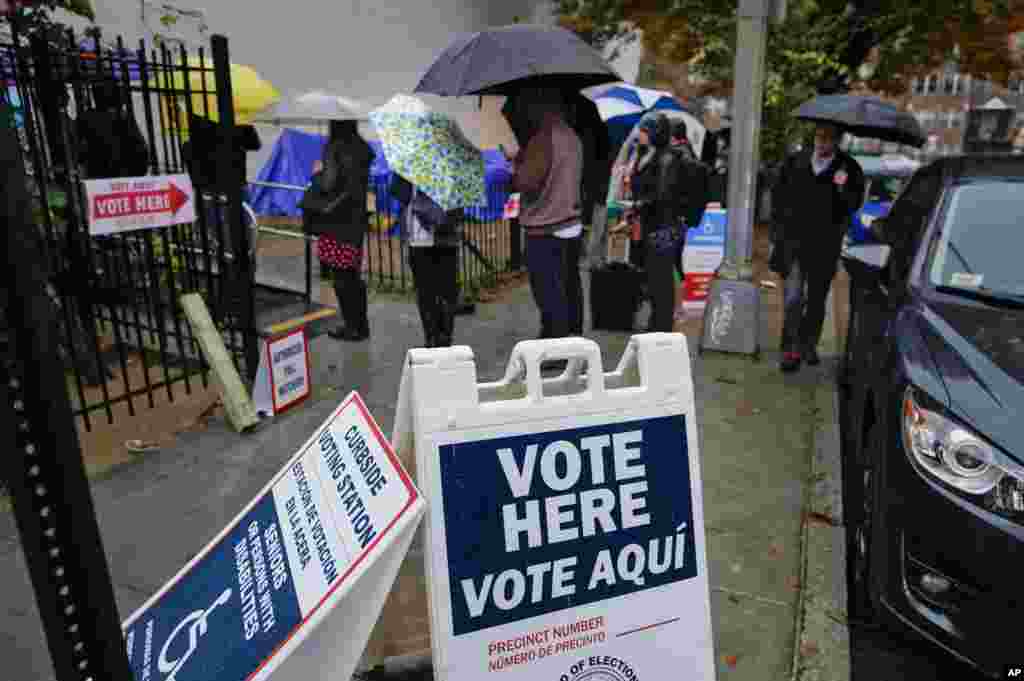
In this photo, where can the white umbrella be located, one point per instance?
(315, 108)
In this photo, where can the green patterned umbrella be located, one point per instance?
(428, 149)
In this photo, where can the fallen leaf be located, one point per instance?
(731, 660)
(793, 583)
(808, 649)
(821, 519)
(774, 550)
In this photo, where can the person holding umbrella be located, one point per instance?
(334, 207)
(436, 173)
(548, 172)
(818, 191)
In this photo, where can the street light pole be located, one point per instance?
(732, 319)
(747, 96)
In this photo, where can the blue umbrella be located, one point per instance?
(622, 105)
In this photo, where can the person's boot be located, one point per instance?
(446, 324)
(362, 329)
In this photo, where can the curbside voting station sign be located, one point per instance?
(567, 530)
(330, 529)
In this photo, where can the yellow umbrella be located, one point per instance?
(252, 94)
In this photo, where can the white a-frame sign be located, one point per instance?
(293, 586)
(565, 534)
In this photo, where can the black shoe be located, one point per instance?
(790, 362)
(811, 357)
(347, 334)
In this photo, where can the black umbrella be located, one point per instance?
(864, 117)
(502, 60)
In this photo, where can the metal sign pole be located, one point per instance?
(42, 458)
(732, 317)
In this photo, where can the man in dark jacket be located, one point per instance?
(818, 191)
(110, 142)
(694, 186)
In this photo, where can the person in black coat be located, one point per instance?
(432, 236)
(656, 191)
(818, 192)
(334, 207)
(694, 186)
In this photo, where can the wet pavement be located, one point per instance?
(756, 428)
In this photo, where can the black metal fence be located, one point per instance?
(118, 294)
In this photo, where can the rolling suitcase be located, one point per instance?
(616, 290)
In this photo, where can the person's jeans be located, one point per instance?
(574, 284)
(805, 295)
(546, 261)
(435, 272)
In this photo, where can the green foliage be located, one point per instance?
(823, 45)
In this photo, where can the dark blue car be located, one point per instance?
(934, 470)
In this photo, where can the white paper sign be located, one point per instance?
(125, 204)
(283, 378)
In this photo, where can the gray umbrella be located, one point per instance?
(864, 117)
(502, 60)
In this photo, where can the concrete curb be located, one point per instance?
(822, 650)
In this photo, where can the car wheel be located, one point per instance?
(860, 528)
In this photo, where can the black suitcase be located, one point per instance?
(616, 291)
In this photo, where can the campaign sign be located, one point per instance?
(704, 252)
(125, 204)
(283, 376)
(246, 602)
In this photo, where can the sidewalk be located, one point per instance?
(757, 431)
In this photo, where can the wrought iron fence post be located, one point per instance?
(244, 274)
(42, 457)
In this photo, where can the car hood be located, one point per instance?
(979, 354)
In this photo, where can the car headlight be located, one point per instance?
(962, 459)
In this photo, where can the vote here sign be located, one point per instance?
(130, 203)
(251, 596)
(571, 546)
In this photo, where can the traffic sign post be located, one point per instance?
(565, 538)
(131, 203)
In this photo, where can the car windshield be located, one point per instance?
(981, 242)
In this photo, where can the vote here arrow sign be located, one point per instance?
(132, 203)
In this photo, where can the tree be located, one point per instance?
(822, 46)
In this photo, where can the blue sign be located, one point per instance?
(237, 606)
(547, 521)
(284, 558)
(711, 231)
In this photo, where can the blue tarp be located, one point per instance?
(291, 162)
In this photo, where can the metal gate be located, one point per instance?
(123, 336)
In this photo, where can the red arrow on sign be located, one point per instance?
(126, 204)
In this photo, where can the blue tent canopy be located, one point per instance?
(291, 162)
